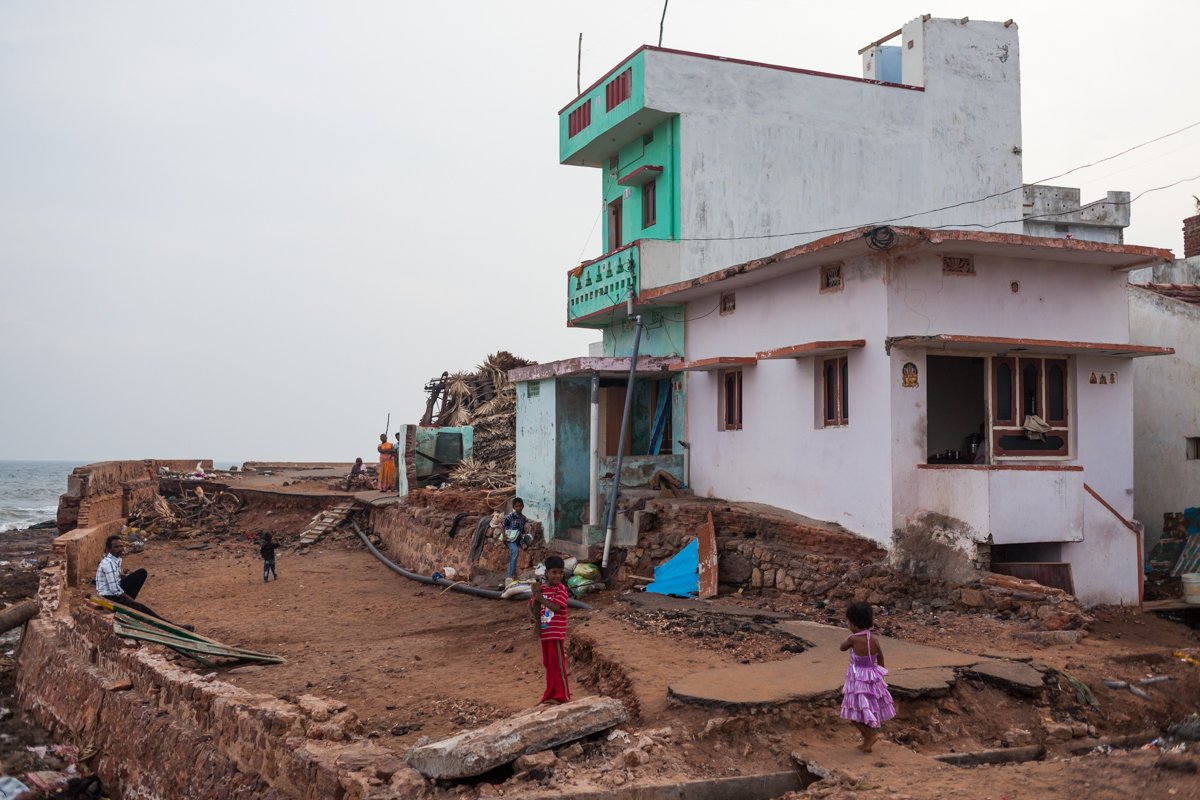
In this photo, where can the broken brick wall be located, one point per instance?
(763, 551)
(416, 534)
(759, 549)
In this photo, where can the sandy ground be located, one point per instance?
(415, 661)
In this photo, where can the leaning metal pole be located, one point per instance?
(616, 487)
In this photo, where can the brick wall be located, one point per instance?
(415, 535)
(1191, 236)
(770, 542)
(165, 731)
(108, 490)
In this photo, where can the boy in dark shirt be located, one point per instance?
(514, 529)
(267, 549)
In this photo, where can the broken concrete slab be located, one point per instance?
(1004, 655)
(1013, 676)
(476, 751)
(921, 682)
(818, 671)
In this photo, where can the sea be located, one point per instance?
(29, 491)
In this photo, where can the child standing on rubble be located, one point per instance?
(514, 529)
(267, 551)
(548, 608)
(866, 700)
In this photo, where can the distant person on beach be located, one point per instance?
(514, 529)
(387, 464)
(267, 551)
(114, 587)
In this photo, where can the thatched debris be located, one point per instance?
(487, 401)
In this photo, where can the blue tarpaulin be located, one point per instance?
(680, 574)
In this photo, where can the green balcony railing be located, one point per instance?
(602, 284)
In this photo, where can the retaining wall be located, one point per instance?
(415, 534)
(164, 732)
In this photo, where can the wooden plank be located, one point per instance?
(1054, 574)
(177, 644)
(707, 536)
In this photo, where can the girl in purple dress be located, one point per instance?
(866, 700)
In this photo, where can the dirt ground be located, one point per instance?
(415, 661)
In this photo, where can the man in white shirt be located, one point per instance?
(114, 587)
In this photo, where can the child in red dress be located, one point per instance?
(548, 608)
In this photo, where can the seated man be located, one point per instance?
(358, 476)
(114, 587)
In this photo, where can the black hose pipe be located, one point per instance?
(491, 594)
(458, 518)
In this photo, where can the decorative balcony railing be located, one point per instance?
(603, 284)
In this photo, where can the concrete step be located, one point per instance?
(566, 547)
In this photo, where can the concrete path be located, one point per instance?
(818, 671)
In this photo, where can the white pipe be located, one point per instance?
(594, 473)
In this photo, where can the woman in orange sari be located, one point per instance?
(387, 464)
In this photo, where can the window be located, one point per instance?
(533, 389)
(958, 265)
(1193, 448)
(831, 278)
(835, 389)
(618, 90)
(579, 119)
(730, 401)
(728, 303)
(1025, 387)
(614, 225)
(649, 203)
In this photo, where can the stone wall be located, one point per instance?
(109, 490)
(764, 550)
(772, 545)
(416, 536)
(170, 733)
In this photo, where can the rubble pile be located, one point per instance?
(487, 401)
(190, 514)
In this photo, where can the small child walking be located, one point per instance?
(267, 550)
(548, 608)
(866, 700)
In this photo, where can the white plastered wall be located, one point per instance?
(781, 456)
(771, 151)
(1165, 409)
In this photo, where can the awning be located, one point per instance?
(807, 349)
(641, 175)
(716, 363)
(1000, 344)
(607, 366)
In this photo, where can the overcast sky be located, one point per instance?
(252, 229)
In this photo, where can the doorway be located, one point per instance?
(956, 392)
(614, 225)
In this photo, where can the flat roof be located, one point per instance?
(853, 242)
(743, 62)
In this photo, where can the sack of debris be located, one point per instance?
(580, 586)
(588, 572)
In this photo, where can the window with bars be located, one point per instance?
(618, 90)
(835, 391)
(730, 400)
(1025, 387)
(579, 119)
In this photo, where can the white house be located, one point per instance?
(842, 298)
(1164, 306)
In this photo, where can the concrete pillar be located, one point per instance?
(594, 456)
